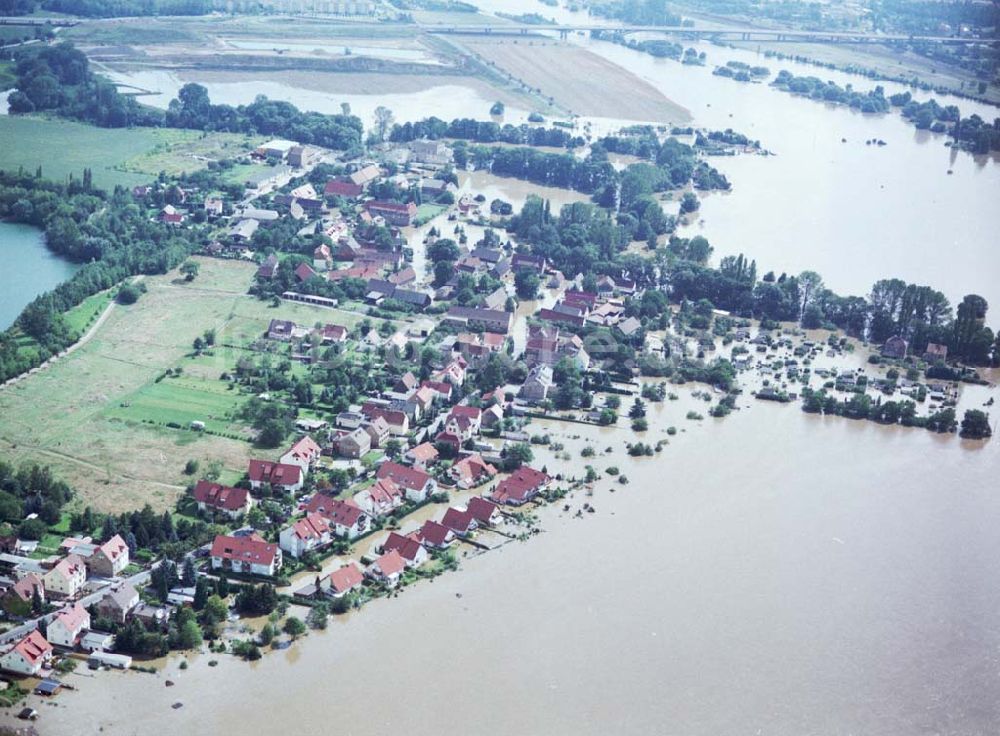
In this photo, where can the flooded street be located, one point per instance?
(749, 579)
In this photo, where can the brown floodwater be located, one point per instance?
(775, 573)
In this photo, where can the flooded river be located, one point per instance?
(773, 573)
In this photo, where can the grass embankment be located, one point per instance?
(115, 156)
(7, 76)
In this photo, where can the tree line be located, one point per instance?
(484, 131)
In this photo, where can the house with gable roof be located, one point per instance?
(520, 486)
(347, 518)
(66, 578)
(249, 554)
(305, 453)
(387, 569)
(278, 475)
(417, 484)
(305, 535)
(65, 629)
(410, 548)
(230, 501)
(110, 558)
(28, 655)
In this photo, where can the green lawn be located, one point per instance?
(80, 317)
(180, 401)
(116, 156)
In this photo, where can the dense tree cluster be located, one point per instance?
(193, 109)
(827, 91)
(484, 131)
(58, 79)
(31, 489)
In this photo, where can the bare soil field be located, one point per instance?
(578, 80)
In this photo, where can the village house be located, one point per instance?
(378, 431)
(66, 578)
(302, 156)
(230, 501)
(520, 487)
(486, 513)
(410, 549)
(464, 422)
(18, 598)
(459, 521)
(454, 372)
(333, 334)
(243, 231)
(118, 603)
(398, 422)
(417, 484)
(347, 518)
(387, 569)
(435, 535)
(65, 629)
(305, 535)
(380, 498)
(538, 383)
(304, 272)
(342, 187)
(421, 456)
(169, 215)
(365, 175)
(354, 444)
(936, 353)
(442, 389)
(433, 153)
(492, 320)
(277, 475)
(304, 453)
(276, 149)
(27, 656)
(349, 419)
(280, 329)
(268, 268)
(492, 417)
(471, 471)
(249, 554)
(342, 581)
(394, 213)
(895, 347)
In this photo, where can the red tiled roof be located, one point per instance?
(344, 513)
(25, 587)
(346, 578)
(251, 549)
(33, 647)
(521, 484)
(423, 452)
(306, 449)
(304, 272)
(409, 478)
(342, 188)
(279, 474)
(468, 412)
(458, 520)
(391, 417)
(408, 547)
(74, 618)
(220, 496)
(313, 526)
(391, 563)
(114, 548)
(435, 533)
(481, 509)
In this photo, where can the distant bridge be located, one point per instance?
(694, 33)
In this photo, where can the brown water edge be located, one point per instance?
(778, 573)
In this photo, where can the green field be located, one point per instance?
(80, 317)
(116, 156)
(99, 416)
(181, 401)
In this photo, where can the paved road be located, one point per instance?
(137, 580)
